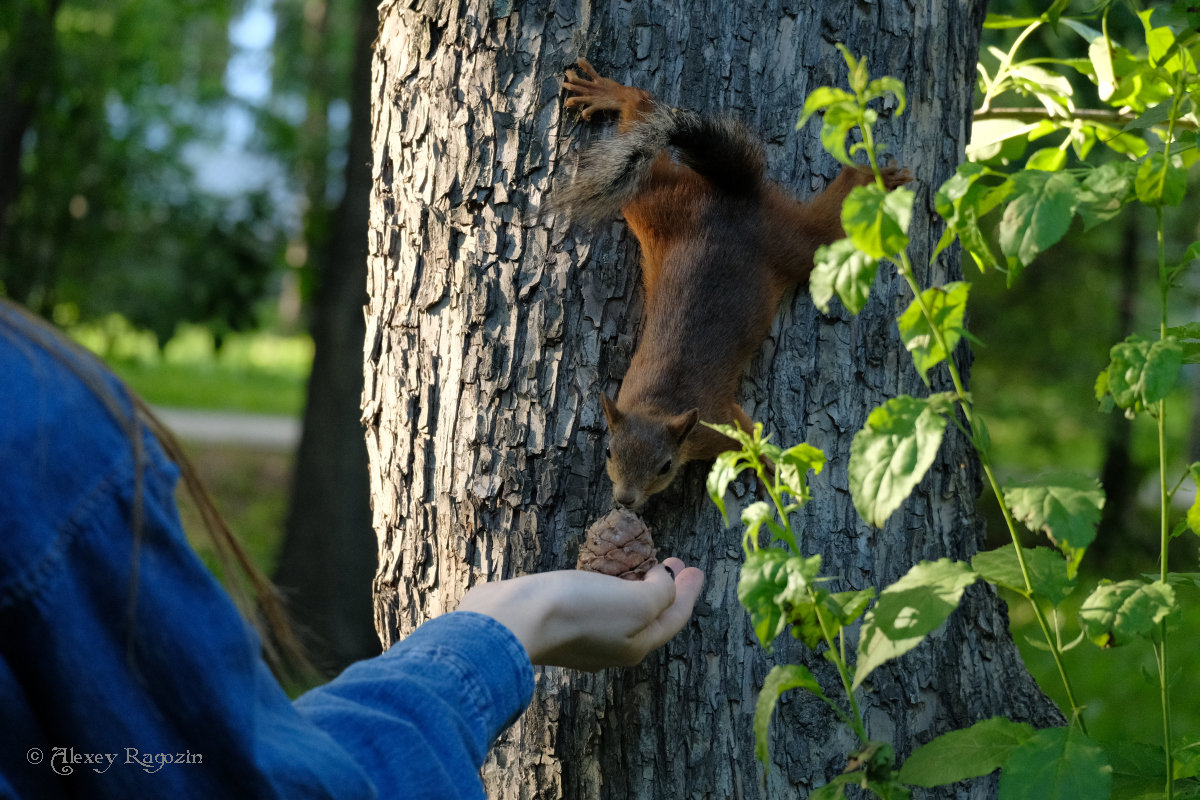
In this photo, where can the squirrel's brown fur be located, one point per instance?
(721, 245)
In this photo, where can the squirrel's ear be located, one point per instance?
(610, 411)
(679, 427)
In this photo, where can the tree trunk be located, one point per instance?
(28, 64)
(493, 329)
(328, 553)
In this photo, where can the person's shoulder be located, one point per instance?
(65, 426)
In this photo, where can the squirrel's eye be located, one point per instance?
(665, 468)
(608, 452)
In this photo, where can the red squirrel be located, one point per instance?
(721, 245)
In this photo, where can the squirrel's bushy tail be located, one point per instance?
(611, 171)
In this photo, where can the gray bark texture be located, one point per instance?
(492, 329)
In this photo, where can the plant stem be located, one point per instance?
(1164, 289)
(1164, 502)
(838, 657)
(906, 270)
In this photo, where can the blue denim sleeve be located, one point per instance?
(420, 717)
(126, 670)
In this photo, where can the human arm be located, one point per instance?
(419, 718)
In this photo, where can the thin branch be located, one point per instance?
(1118, 119)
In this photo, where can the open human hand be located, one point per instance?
(587, 621)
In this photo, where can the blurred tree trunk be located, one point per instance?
(329, 552)
(27, 65)
(492, 330)
(1118, 475)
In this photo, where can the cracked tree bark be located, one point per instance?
(492, 329)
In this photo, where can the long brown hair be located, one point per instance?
(252, 592)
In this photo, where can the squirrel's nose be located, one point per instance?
(628, 498)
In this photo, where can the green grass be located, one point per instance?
(256, 372)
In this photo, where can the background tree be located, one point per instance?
(104, 207)
(328, 553)
(493, 329)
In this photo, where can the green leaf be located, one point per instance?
(962, 201)
(1155, 115)
(839, 120)
(754, 515)
(780, 679)
(1117, 613)
(1137, 769)
(1048, 159)
(881, 86)
(724, 471)
(1056, 763)
(876, 220)
(845, 607)
(1160, 183)
(836, 788)
(1066, 508)
(992, 138)
(793, 465)
(875, 648)
(1192, 254)
(1048, 572)
(891, 454)
(1105, 192)
(967, 753)
(761, 580)
(1037, 217)
(1101, 58)
(1140, 372)
(772, 584)
(1187, 757)
(918, 603)
(821, 98)
(947, 305)
(842, 268)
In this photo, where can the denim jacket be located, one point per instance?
(126, 670)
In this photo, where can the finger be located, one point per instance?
(688, 585)
(587, 68)
(675, 565)
(660, 587)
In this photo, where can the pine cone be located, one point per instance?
(618, 544)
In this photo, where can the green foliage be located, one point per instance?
(968, 753)
(892, 452)
(1056, 763)
(843, 269)
(1039, 214)
(107, 212)
(1117, 613)
(1050, 577)
(931, 339)
(1067, 510)
(876, 220)
(1153, 91)
(1141, 373)
(908, 611)
(781, 678)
